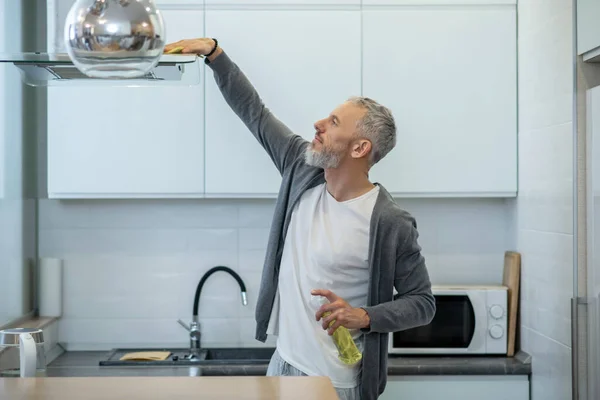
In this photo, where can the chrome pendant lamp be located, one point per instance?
(114, 38)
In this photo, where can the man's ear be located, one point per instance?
(361, 148)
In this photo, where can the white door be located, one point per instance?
(303, 64)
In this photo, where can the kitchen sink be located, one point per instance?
(182, 357)
(256, 354)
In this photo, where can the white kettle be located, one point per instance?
(30, 345)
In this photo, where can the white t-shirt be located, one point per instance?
(326, 247)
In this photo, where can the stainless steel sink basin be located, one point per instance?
(226, 355)
(208, 356)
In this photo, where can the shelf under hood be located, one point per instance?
(52, 69)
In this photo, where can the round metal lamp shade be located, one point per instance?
(114, 38)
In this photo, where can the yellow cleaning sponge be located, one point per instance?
(176, 50)
(146, 356)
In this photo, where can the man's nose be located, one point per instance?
(319, 125)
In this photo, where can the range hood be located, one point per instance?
(54, 69)
(107, 43)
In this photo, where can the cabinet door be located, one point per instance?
(457, 387)
(303, 64)
(3, 133)
(436, 2)
(449, 76)
(122, 142)
(588, 28)
(271, 3)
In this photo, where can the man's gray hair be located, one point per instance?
(377, 126)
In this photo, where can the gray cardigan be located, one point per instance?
(394, 253)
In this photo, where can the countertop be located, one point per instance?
(85, 363)
(159, 388)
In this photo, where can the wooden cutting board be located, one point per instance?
(511, 279)
(146, 356)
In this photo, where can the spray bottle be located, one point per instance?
(348, 353)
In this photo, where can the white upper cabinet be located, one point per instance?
(271, 3)
(446, 68)
(449, 76)
(302, 63)
(128, 142)
(588, 29)
(422, 3)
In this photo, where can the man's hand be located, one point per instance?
(342, 313)
(201, 47)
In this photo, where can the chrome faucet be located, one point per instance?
(194, 327)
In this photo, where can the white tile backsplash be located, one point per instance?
(547, 161)
(253, 239)
(251, 260)
(133, 266)
(81, 333)
(551, 366)
(138, 214)
(256, 214)
(544, 208)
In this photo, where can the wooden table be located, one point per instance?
(171, 388)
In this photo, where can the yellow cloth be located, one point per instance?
(176, 50)
(146, 356)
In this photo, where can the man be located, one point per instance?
(334, 236)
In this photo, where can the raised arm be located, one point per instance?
(276, 138)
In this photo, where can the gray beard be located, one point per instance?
(324, 159)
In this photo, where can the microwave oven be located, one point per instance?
(468, 320)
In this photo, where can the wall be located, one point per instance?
(10, 184)
(131, 267)
(544, 208)
(588, 76)
(18, 132)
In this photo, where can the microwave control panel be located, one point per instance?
(497, 321)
